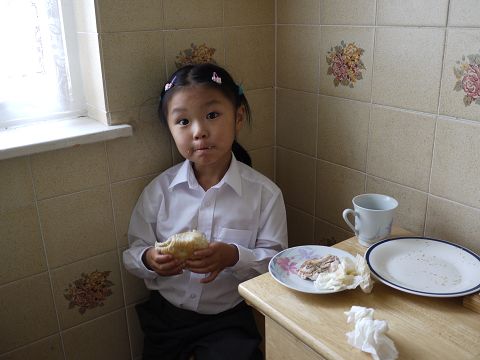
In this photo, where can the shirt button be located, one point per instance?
(193, 296)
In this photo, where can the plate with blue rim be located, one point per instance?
(425, 266)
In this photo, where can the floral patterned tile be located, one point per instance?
(460, 93)
(184, 47)
(346, 62)
(87, 289)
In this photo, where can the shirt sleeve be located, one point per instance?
(272, 238)
(141, 233)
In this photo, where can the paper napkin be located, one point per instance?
(348, 275)
(369, 335)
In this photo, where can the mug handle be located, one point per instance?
(345, 214)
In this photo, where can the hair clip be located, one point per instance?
(216, 78)
(240, 89)
(169, 85)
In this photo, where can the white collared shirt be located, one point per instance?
(245, 209)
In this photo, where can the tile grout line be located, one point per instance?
(275, 69)
(49, 271)
(445, 39)
(117, 249)
(370, 111)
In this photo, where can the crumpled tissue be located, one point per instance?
(348, 275)
(369, 335)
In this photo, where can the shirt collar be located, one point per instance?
(186, 175)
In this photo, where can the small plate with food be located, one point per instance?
(298, 267)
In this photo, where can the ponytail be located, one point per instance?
(241, 154)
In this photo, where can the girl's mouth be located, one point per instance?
(203, 148)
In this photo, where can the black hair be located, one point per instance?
(201, 74)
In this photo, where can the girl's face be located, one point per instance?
(204, 123)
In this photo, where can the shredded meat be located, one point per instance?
(311, 268)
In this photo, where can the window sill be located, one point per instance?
(53, 135)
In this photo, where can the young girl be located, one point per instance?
(195, 307)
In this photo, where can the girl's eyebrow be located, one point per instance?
(212, 102)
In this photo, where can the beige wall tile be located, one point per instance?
(147, 152)
(456, 165)
(463, 13)
(132, 67)
(127, 15)
(295, 175)
(77, 226)
(298, 12)
(347, 12)
(297, 57)
(255, 70)
(22, 247)
(92, 75)
(462, 46)
(249, 12)
(16, 184)
(124, 197)
(85, 19)
(403, 75)
(263, 161)
(300, 227)
(453, 222)
(327, 234)
(296, 121)
(135, 332)
(177, 42)
(69, 170)
(335, 189)
(412, 204)
(26, 320)
(102, 338)
(64, 278)
(130, 115)
(400, 146)
(47, 349)
(193, 13)
(354, 87)
(260, 132)
(343, 131)
(412, 12)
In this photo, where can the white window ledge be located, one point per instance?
(52, 135)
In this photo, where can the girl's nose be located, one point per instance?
(199, 131)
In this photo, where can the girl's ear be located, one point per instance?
(239, 118)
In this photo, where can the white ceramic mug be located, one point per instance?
(373, 217)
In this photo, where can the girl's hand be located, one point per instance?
(213, 260)
(163, 265)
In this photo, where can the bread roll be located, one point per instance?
(182, 245)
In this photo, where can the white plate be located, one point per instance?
(425, 266)
(284, 266)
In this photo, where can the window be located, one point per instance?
(39, 70)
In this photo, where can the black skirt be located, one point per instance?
(174, 333)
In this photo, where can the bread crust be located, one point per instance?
(183, 245)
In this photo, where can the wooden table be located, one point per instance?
(312, 326)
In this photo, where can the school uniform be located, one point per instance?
(245, 209)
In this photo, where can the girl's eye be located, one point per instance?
(182, 122)
(212, 115)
